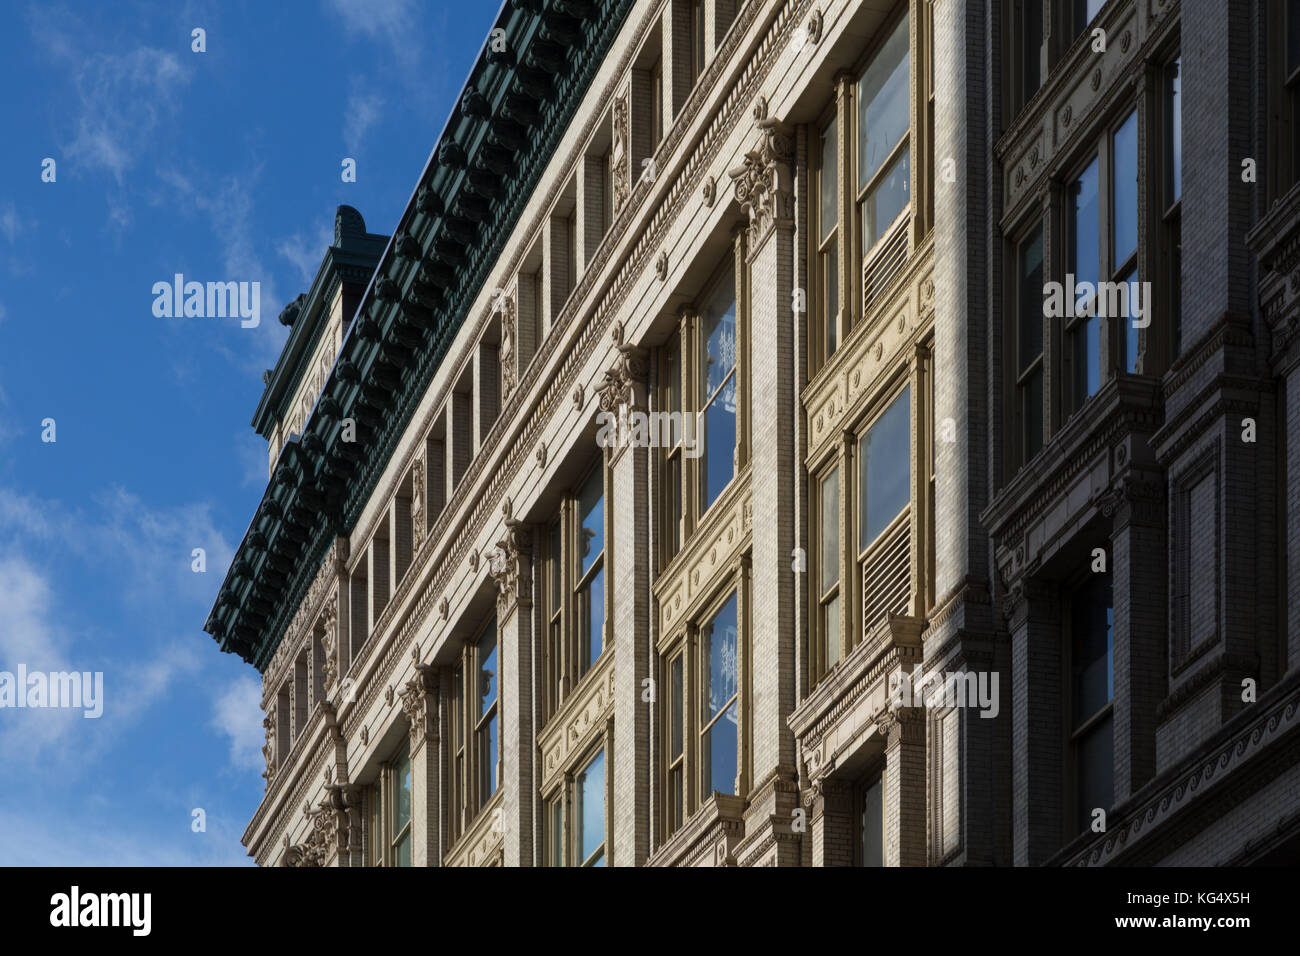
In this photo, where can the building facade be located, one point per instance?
(701, 474)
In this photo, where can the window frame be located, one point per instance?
(466, 762)
(561, 824)
(383, 845)
(1077, 730)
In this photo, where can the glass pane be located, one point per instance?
(1031, 43)
(402, 851)
(487, 656)
(871, 826)
(1092, 640)
(1033, 413)
(885, 467)
(676, 711)
(673, 373)
(557, 565)
(887, 199)
(721, 754)
(718, 336)
(1130, 329)
(830, 214)
(718, 462)
(1095, 771)
(675, 509)
(557, 833)
(376, 845)
(883, 112)
(591, 806)
(1030, 304)
(1124, 225)
(1087, 358)
(1081, 228)
(830, 520)
(1175, 132)
(592, 599)
(718, 647)
(489, 749)
(831, 631)
(1292, 36)
(830, 269)
(677, 796)
(401, 792)
(591, 514)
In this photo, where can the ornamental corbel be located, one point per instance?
(764, 184)
(510, 566)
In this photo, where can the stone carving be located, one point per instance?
(417, 504)
(268, 748)
(710, 191)
(623, 385)
(618, 155)
(509, 370)
(814, 27)
(329, 643)
(763, 184)
(419, 697)
(511, 568)
(661, 266)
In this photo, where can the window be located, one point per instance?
(576, 816)
(701, 725)
(571, 249)
(884, 470)
(475, 729)
(828, 263)
(1284, 97)
(719, 700)
(701, 385)
(389, 803)
(1029, 344)
(589, 813)
(656, 103)
(697, 39)
(870, 850)
(487, 741)
(1092, 690)
(1081, 13)
(1172, 246)
(1082, 236)
(1124, 228)
(574, 588)
(883, 120)
(828, 571)
(1024, 61)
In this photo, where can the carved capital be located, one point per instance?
(901, 725)
(419, 700)
(620, 157)
(509, 344)
(268, 748)
(624, 383)
(511, 568)
(330, 642)
(763, 183)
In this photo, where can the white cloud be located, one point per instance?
(9, 225)
(43, 837)
(305, 251)
(237, 713)
(361, 112)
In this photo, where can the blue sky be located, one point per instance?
(221, 165)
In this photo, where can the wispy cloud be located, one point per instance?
(304, 251)
(237, 713)
(9, 222)
(362, 111)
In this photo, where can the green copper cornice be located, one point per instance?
(519, 98)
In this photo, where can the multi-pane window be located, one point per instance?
(884, 117)
(656, 103)
(388, 800)
(884, 470)
(697, 39)
(1103, 196)
(476, 729)
(589, 811)
(701, 723)
(1172, 249)
(860, 154)
(700, 387)
(828, 218)
(576, 817)
(1029, 343)
(574, 588)
(719, 701)
(1025, 51)
(870, 849)
(828, 571)
(1092, 690)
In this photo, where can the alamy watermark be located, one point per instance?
(213, 300)
(70, 689)
(1125, 300)
(938, 689)
(649, 430)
